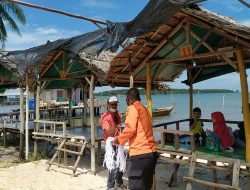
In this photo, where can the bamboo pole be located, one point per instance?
(93, 130)
(37, 115)
(58, 11)
(27, 119)
(244, 93)
(149, 100)
(21, 154)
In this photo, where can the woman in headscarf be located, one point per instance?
(220, 128)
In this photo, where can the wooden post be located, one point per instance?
(244, 93)
(131, 81)
(37, 116)
(93, 130)
(149, 100)
(27, 119)
(4, 133)
(190, 100)
(70, 107)
(85, 103)
(21, 154)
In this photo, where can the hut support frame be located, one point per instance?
(27, 120)
(21, 154)
(244, 91)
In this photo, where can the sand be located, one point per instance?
(33, 175)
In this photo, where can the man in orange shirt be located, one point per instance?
(111, 121)
(142, 146)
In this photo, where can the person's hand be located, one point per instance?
(115, 141)
(118, 126)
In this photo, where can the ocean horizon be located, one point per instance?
(228, 103)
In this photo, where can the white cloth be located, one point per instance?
(109, 158)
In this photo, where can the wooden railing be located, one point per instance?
(52, 125)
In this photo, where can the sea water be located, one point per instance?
(229, 103)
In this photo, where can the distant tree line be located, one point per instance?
(170, 91)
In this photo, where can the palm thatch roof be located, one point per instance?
(194, 39)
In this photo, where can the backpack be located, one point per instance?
(213, 142)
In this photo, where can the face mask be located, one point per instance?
(112, 110)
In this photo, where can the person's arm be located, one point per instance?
(131, 126)
(108, 127)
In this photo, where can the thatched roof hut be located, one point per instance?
(211, 40)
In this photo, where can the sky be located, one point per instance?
(43, 26)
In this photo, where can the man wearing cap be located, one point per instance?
(111, 122)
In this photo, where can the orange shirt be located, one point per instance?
(135, 133)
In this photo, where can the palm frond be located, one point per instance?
(15, 10)
(3, 33)
(7, 18)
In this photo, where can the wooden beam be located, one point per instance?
(197, 56)
(51, 63)
(217, 64)
(160, 45)
(219, 31)
(196, 75)
(75, 72)
(86, 78)
(146, 43)
(203, 40)
(57, 11)
(229, 61)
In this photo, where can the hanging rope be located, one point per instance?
(109, 158)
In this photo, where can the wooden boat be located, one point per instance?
(162, 111)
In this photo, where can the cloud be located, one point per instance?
(231, 5)
(36, 36)
(245, 22)
(98, 4)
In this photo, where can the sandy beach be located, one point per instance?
(33, 175)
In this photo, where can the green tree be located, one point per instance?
(9, 14)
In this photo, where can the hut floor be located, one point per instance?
(238, 153)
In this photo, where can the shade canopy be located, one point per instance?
(194, 39)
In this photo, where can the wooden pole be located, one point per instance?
(93, 130)
(21, 154)
(190, 100)
(149, 101)
(70, 107)
(27, 119)
(148, 86)
(58, 11)
(37, 115)
(244, 93)
(85, 103)
(131, 81)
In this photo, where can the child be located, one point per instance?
(222, 131)
(196, 126)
